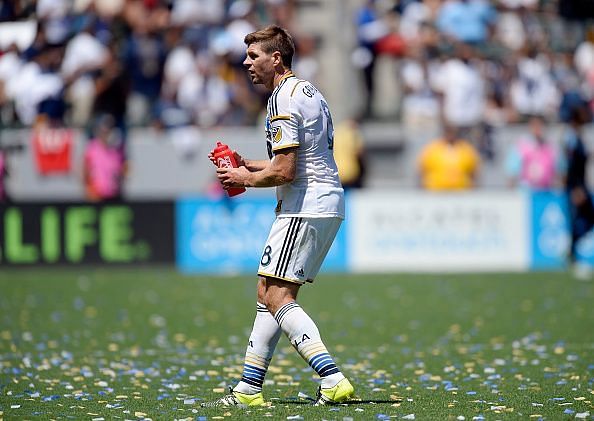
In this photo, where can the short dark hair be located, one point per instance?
(273, 38)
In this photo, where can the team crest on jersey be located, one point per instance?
(277, 134)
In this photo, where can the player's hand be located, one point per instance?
(212, 158)
(233, 177)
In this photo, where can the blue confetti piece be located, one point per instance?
(561, 382)
(471, 393)
(569, 411)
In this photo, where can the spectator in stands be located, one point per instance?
(84, 55)
(38, 80)
(370, 29)
(3, 175)
(448, 163)
(533, 161)
(462, 86)
(203, 93)
(533, 90)
(112, 86)
(144, 56)
(349, 153)
(467, 21)
(103, 162)
(581, 208)
(420, 105)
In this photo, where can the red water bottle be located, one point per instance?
(225, 159)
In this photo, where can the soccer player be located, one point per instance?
(310, 209)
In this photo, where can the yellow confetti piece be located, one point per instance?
(121, 397)
(139, 414)
(536, 416)
(218, 418)
(212, 373)
(113, 347)
(581, 398)
(227, 414)
(218, 390)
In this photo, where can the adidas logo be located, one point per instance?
(300, 273)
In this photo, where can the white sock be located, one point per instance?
(305, 337)
(263, 339)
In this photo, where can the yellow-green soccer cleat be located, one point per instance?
(342, 392)
(236, 399)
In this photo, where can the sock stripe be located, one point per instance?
(323, 364)
(291, 247)
(253, 374)
(252, 382)
(330, 372)
(256, 361)
(282, 312)
(312, 350)
(318, 360)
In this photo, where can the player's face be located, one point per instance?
(259, 65)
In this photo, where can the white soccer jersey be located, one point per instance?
(298, 117)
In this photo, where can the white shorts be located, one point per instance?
(296, 248)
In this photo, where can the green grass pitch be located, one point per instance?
(151, 343)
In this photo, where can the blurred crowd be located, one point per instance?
(473, 61)
(469, 65)
(168, 62)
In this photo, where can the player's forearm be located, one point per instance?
(269, 177)
(256, 165)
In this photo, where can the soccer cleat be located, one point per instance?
(236, 399)
(343, 391)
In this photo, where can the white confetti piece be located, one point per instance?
(409, 417)
(189, 401)
(302, 395)
(582, 414)
(15, 406)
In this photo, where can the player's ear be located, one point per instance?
(277, 58)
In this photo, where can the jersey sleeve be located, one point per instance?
(284, 122)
